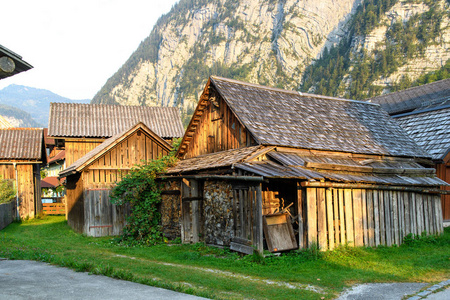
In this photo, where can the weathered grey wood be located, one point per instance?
(185, 213)
(7, 213)
(407, 201)
(241, 215)
(419, 211)
(321, 219)
(370, 217)
(376, 217)
(195, 211)
(241, 248)
(336, 216)
(401, 213)
(349, 217)
(235, 200)
(330, 219)
(425, 213)
(382, 218)
(395, 217)
(365, 217)
(387, 218)
(301, 233)
(258, 217)
(413, 213)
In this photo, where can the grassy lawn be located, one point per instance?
(220, 274)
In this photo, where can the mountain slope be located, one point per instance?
(267, 42)
(35, 102)
(17, 117)
(336, 43)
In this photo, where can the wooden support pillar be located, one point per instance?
(259, 220)
(301, 232)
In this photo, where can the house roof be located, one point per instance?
(50, 182)
(61, 155)
(430, 129)
(281, 162)
(293, 119)
(414, 98)
(103, 121)
(108, 144)
(20, 64)
(22, 144)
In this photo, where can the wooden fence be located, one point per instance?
(7, 213)
(54, 208)
(363, 217)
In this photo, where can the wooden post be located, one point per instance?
(357, 217)
(349, 217)
(376, 217)
(330, 220)
(341, 216)
(195, 211)
(301, 244)
(311, 216)
(321, 219)
(259, 221)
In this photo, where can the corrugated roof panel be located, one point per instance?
(98, 120)
(21, 143)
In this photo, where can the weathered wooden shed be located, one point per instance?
(255, 160)
(90, 178)
(22, 152)
(424, 113)
(79, 128)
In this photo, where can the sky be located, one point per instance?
(75, 46)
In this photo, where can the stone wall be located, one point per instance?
(218, 212)
(171, 210)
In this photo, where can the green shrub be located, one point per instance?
(141, 191)
(7, 191)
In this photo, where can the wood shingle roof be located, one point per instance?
(414, 98)
(21, 144)
(292, 119)
(103, 121)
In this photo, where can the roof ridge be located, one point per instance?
(410, 88)
(259, 86)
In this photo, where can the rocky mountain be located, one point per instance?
(17, 117)
(292, 44)
(31, 105)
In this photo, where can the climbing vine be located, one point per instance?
(141, 191)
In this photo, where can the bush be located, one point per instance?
(140, 190)
(7, 191)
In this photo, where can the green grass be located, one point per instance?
(220, 274)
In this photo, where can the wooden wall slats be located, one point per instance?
(369, 217)
(218, 129)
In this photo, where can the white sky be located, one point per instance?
(75, 46)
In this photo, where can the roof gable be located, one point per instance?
(292, 119)
(103, 121)
(109, 144)
(22, 144)
(414, 98)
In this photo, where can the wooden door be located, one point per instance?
(191, 200)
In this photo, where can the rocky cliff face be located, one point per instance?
(267, 42)
(260, 41)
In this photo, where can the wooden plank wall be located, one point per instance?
(115, 163)
(76, 149)
(360, 217)
(443, 172)
(102, 218)
(247, 212)
(75, 203)
(218, 130)
(28, 187)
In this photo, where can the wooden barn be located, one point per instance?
(79, 128)
(424, 113)
(90, 178)
(272, 169)
(22, 152)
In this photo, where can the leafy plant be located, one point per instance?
(7, 191)
(140, 190)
